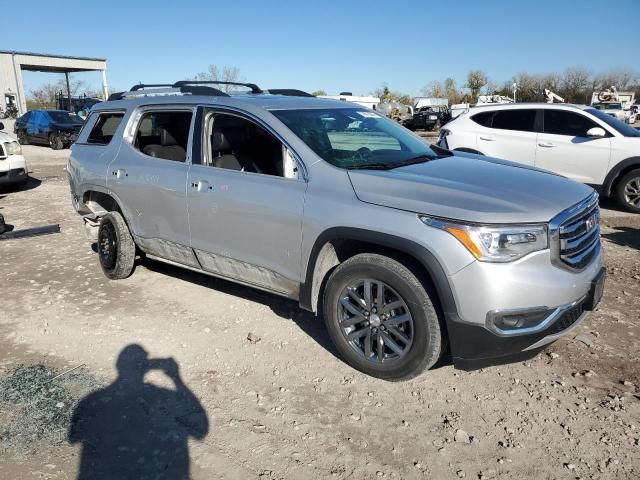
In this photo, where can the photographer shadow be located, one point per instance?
(135, 430)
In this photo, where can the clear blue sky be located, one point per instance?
(335, 46)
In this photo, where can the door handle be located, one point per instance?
(119, 173)
(201, 185)
(488, 139)
(546, 144)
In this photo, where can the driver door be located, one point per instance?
(245, 196)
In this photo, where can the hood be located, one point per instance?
(470, 188)
(5, 137)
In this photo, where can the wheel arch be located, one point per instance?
(100, 201)
(617, 172)
(337, 244)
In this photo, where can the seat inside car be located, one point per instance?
(168, 147)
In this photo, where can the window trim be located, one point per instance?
(206, 111)
(136, 117)
(90, 123)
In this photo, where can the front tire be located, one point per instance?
(22, 138)
(628, 191)
(116, 248)
(381, 319)
(54, 142)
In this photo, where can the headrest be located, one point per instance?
(219, 141)
(166, 139)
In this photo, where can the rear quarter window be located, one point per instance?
(483, 118)
(105, 128)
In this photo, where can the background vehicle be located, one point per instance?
(13, 167)
(365, 101)
(614, 103)
(10, 112)
(428, 118)
(55, 128)
(343, 210)
(581, 143)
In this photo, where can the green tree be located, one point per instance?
(318, 93)
(476, 79)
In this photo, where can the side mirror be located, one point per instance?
(596, 132)
(1, 126)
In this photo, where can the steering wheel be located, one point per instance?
(363, 153)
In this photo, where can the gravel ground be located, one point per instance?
(278, 402)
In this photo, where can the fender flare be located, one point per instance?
(409, 247)
(616, 172)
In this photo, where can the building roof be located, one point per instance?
(69, 57)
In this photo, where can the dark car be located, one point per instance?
(56, 128)
(429, 118)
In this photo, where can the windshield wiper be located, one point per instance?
(371, 166)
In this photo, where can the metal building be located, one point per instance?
(12, 64)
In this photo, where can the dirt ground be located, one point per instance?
(280, 404)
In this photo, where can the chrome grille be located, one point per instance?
(576, 234)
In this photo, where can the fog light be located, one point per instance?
(512, 322)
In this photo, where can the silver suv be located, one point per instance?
(408, 251)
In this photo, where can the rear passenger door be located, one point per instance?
(564, 147)
(510, 134)
(149, 176)
(246, 198)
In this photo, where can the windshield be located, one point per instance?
(64, 117)
(357, 137)
(621, 127)
(607, 106)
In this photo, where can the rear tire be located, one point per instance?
(628, 191)
(116, 248)
(403, 335)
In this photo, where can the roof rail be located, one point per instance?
(254, 88)
(289, 92)
(141, 86)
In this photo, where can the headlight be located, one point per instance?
(13, 148)
(495, 244)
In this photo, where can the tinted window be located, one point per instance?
(621, 127)
(105, 128)
(521, 120)
(164, 135)
(562, 122)
(64, 117)
(483, 118)
(25, 117)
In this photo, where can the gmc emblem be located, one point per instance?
(591, 222)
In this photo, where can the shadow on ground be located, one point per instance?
(135, 430)
(625, 237)
(30, 184)
(284, 308)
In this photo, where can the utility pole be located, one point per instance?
(66, 75)
(515, 87)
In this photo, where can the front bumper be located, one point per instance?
(13, 176)
(484, 291)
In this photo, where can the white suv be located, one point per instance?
(13, 167)
(578, 142)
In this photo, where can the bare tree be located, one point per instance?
(385, 94)
(434, 89)
(476, 79)
(46, 95)
(574, 85)
(224, 74)
(451, 90)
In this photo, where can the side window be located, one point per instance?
(105, 127)
(25, 117)
(164, 134)
(520, 120)
(237, 143)
(561, 122)
(483, 118)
